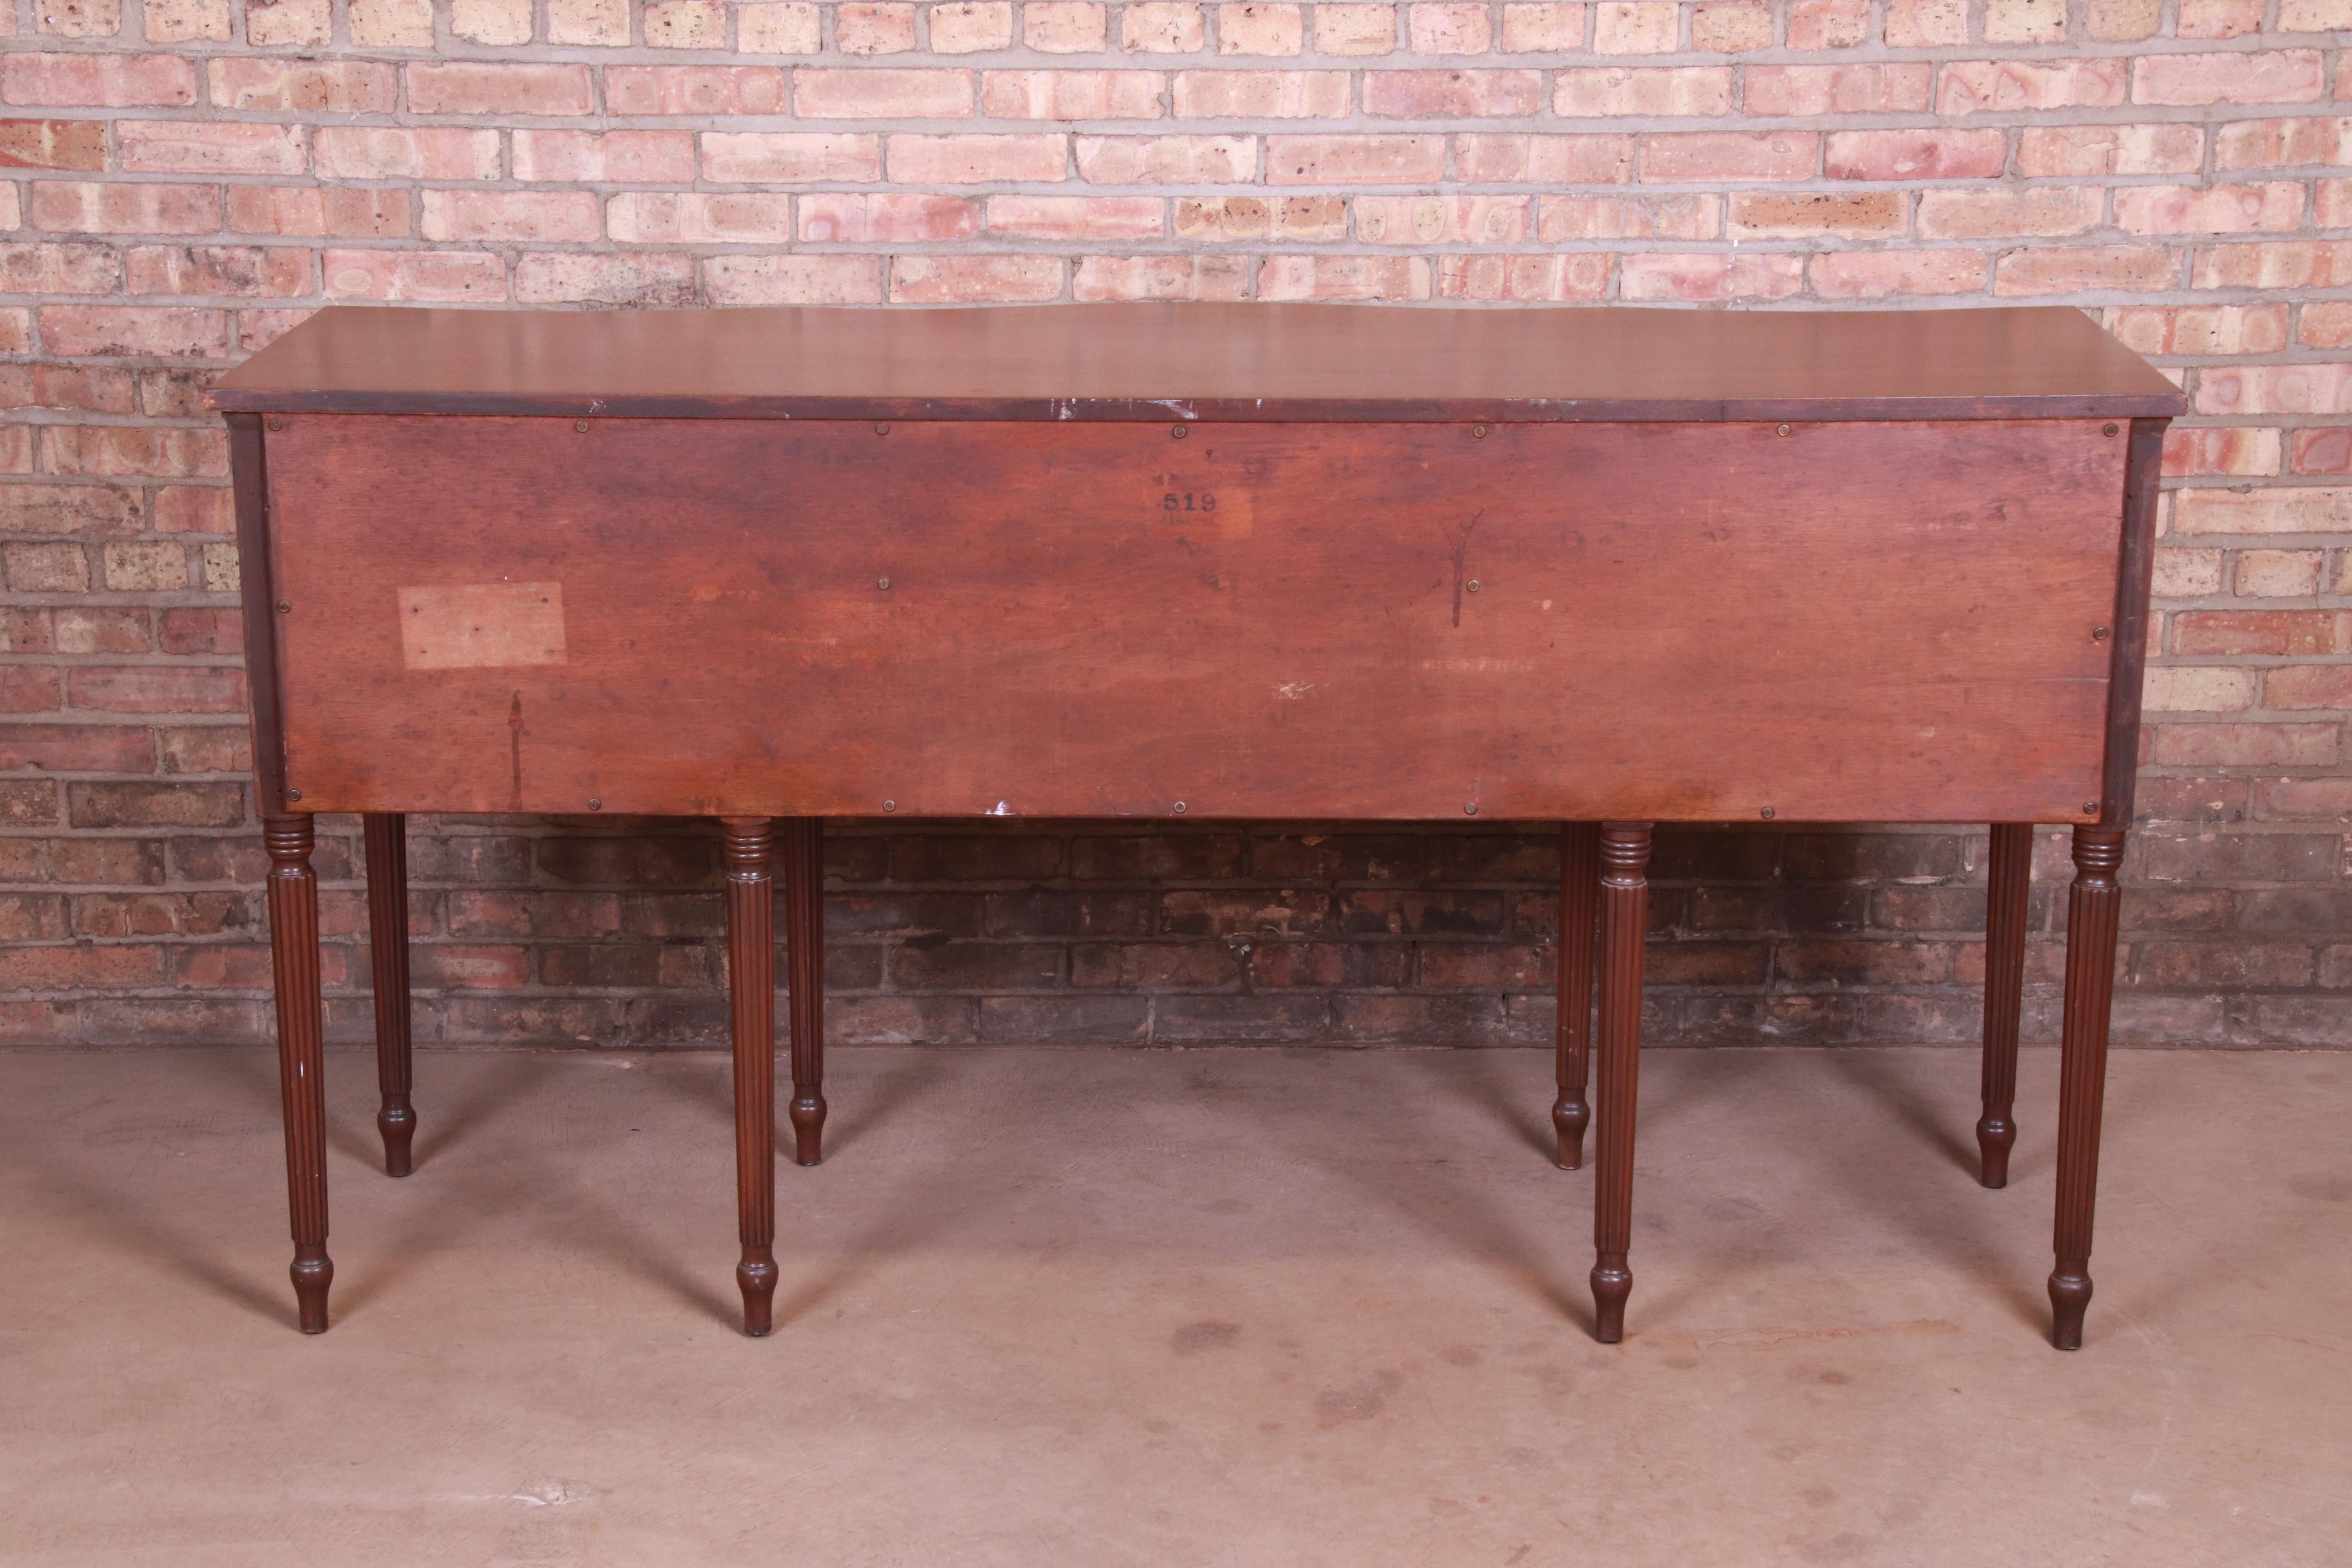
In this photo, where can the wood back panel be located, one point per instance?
(1886, 622)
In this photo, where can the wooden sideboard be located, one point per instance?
(1604, 567)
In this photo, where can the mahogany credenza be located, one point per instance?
(1599, 567)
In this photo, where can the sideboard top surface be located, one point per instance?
(1224, 362)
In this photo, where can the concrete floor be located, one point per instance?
(1221, 1308)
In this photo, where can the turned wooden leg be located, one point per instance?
(803, 851)
(387, 888)
(1624, 918)
(1580, 915)
(2091, 909)
(2009, 883)
(751, 993)
(293, 898)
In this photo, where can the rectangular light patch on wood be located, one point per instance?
(481, 626)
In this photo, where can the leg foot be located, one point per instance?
(292, 893)
(1580, 916)
(802, 845)
(387, 891)
(2009, 883)
(751, 994)
(1624, 918)
(2091, 908)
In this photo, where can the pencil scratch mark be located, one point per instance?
(1461, 558)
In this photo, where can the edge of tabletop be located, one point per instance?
(2151, 404)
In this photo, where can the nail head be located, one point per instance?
(1478, 432)
(1176, 432)
(882, 582)
(293, 794)
(1769, 813)
(1471, 584)
(1470, 808)
(2100, 634)
(881, 429)
(1180, 809)
(581, 426)
(2111, 430)
(284, 608)
(889, 806)
(2090, 808)
(276, 422)
(595, 805)
(1783, 430)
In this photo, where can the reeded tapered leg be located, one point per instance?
(2091, 914)
(293, 898)
(752, 994)
(802, 844)
(1580, 914)
(1624, 918)
(387, 889)
(2009, 882)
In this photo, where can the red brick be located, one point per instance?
(2296, 509)
(629, 157)
(1873, 215)
(969, 279)
(1542, 26)
(82, 966)
(510, 215)
(2275, 389)
(1545, 159)
(313, 212)
(84, 207)
(73, 144)
(1915, 155)
(98, 80)
(196, 631)
(698, 217)
(2217, 18)
(26, 688)
(2216, 209)
(2225, 449)
(976, 160)
(1359, 277)
(969, 27)
(1257, 27)
(1079, 218)
(2283, 144)
(1071, 95)
(1525, 279)
(789, 158)
(155, 688)
(587, 278)
(1828, 24)
(2069, 269)
(1709, 277)
(474, 86)
(425, 277)
(2292, 633)
(1161, 278)
(1261, 95)
(1837, 90)
(695, 90)
(792, 279)
(887, 28)
(1351, 27)
(304, 86)
(2007, 87)
(2324, 451)
(2010, 210)
(868, 94)
(2238, 744)
(1642, 28)
(829, 217)
(2077, 150)
(1220, 218)
(1681, 90)
(2201, 329)
(1630, 217)
(60, 269)
(1064, 27)
(1730, 157)
(2266, 76)
(204, 147)
(1441, 220)
(404, 152)
(76, 748)
(247, 270)
(1354, 160)
(169, 332)
(1452, 94)
(158, 452)
(49, 509)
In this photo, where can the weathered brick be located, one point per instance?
(1355, 29)
(1377, 160)
(1071, 95)
(975, 160)
(1873, 216)
(1730, 157)
(872, 93)
(2212, 209)
(969, 27)
(74, 144)
(88, 207)
(1078, 218)
(472, 87)
(1064, 27)
(97, 80)
(1162, 27)
(1684, 91)
(1630, 217)
(1545, 27)
(832, 218)
(791, 28)
(967, 279)
(628, 157)
(2006, 87)
(754, 157)
(1642, 27)
(510, 215)
(1546, 160)
(304, 86)
(2067, 270)
(792, 279)
(1258, 28)
(1441, 220)
(1261, 94)
(424, 277)
(2269, 76)
(2016, 210)
(1710, 277)
(1932, 24)
(1453, 94)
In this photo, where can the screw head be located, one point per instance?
(1176, 432)
(284, 608)
(883, 583)
(2100, 634)
(882, 429)
(1180, 809)
(2111, 430)
(595, 805)
(2090, 808)
(1769, 813)
(293, 794)
(1478, 432)
(1472, 585)
(581, 426)
(276, 422)
(889, 806)
(1469, 808)
(1782, 430)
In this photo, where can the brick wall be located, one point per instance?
(180, 180)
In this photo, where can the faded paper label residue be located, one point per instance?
(481, 626)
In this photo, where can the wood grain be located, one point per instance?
(1846, 621)
(1224, 362)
